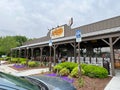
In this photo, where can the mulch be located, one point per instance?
(92, 83)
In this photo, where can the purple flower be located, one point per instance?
(52, 75)
(62, 77)
(18, 66)
(67, 79)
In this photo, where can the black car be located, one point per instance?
(10, 82)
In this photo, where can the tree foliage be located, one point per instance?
(20, 39)
(8, 42)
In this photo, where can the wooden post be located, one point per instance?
(54, 56)
(41, 50)
(50, 62)
(31, 53)
(75, 52)
(54, 47)
(27, 51)
(50, 67)
(15, 53)
(110, 43)
(112, 57)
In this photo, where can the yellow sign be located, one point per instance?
(57, 33)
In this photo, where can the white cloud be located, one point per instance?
(33, 18)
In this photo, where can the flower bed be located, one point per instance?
(62, 77)
(18, 66)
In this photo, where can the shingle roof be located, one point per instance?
(97, 26)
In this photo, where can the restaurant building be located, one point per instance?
(100, 44)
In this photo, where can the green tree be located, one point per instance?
(20, 39)
(6, 44)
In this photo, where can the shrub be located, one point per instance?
(74, 72)
(57, 68)
(17, 60)
(83, 65)
(1, 58)
(14, 60)
(95, 71)
(64, 72)
(23, 62)
(7, 58)
(22, 59)
(68, 65)
(33, 64)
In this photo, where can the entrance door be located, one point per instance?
(117, 58)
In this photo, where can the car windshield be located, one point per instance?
(18, 81)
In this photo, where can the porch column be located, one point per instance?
(41, 51)
(54, 47)
(110, 43)
(32, 53)
(27, 51)
(15, 53)
(112, 57)
(74, 46)
(50, 62)
(112, 54)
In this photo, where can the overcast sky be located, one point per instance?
(33, 18)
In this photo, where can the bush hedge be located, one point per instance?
(1, 58)
(83, 65)
(68, 65)
(64, 72)
(88, 70)
(95, 71)
(74, 72)
(33, 64)
(16, 60)
(57, 68)
(23, 62)
(22, 59)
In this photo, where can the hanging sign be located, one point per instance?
(57, 32)
(78, 36)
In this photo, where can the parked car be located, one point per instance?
(10, 82)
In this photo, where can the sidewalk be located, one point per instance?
(114, 84)
(7, 69)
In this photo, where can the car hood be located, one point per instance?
(7, 85)
(55, 83)
(10, 82)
